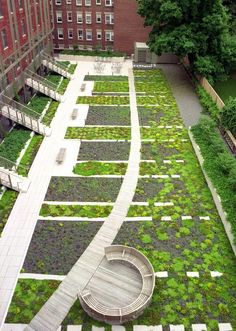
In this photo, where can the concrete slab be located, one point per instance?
(225, 327)
(199, 327)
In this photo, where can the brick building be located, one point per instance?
(25, 30)
(103, 24)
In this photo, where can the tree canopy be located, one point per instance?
(198, 29)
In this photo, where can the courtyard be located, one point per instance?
(172, 218)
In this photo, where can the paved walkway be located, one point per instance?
(183, 90)
(57, 307)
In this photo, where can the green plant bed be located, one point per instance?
(14, 142)
(111, 87)
(161, 134)
(90, 133)
(99, 53)
(29, 155)
(98, 78)
(54, 78)
(52, 109)
(6, 204)
(38, 103)
(63, 86)
(110, 115)
(83, 189)
(72, 67)
(75, 210)
(29, 297)
(104, 100)
(220, 166)
(103, 151)
(67, 240)
(100, 168)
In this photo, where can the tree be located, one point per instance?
(228, 115)
(198, 29)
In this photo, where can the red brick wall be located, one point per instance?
(128, 26)
(75, 26)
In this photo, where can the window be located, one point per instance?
(68, 2)
(87, 2)
(80, 34)
(58, 2)
(20, 2)
(23, 29)
(78, 2)
(99, 34)
(108, 3)
(79, 17)
(69, 16)
(98, 2)
(98, 18)
(4, 39)
(89, 35)
(88, 18)
(109, 36)
(60, 34)
(1, 11)
(70, 33)
(59, 16)
(109, 18)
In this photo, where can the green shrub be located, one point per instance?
(221, 168)
(13, 143)
(228, 115)
(6, 204)
(207, 103)
(48, 117)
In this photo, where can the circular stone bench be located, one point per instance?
(133, 259)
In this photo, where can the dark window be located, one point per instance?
(4, 38)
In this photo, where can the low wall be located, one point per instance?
(207, 86)
(215, 196)
(67, 57)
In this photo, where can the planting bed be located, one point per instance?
(90, 133)
(101, 115)
(29, 155)
(14, 142)
(104, 151)
(56, 246)
(83, 189)
(104, 100)
(98, 78)
(29, 296)
(6, 204)
(38, 103)
(48, 117)
(111, 87)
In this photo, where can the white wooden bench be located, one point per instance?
(83, 86)
(74, 113)
(61, 155)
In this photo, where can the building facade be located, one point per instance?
(97, 24)
(25, 31)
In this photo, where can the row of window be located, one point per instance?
(85, 34)
(109, 17)
(4, 39)
(107, 3)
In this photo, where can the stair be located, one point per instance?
(24, 116)
(43, 85)
(14, 181)
(52, 65)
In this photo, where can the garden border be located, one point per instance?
(214, 194)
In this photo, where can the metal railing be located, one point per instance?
(41, 80)
(48, 58)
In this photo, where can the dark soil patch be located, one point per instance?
(104, 151)
(83, 189)
(108, 115)
(56, 246)
(152, 151)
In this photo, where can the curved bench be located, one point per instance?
(136, 260)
